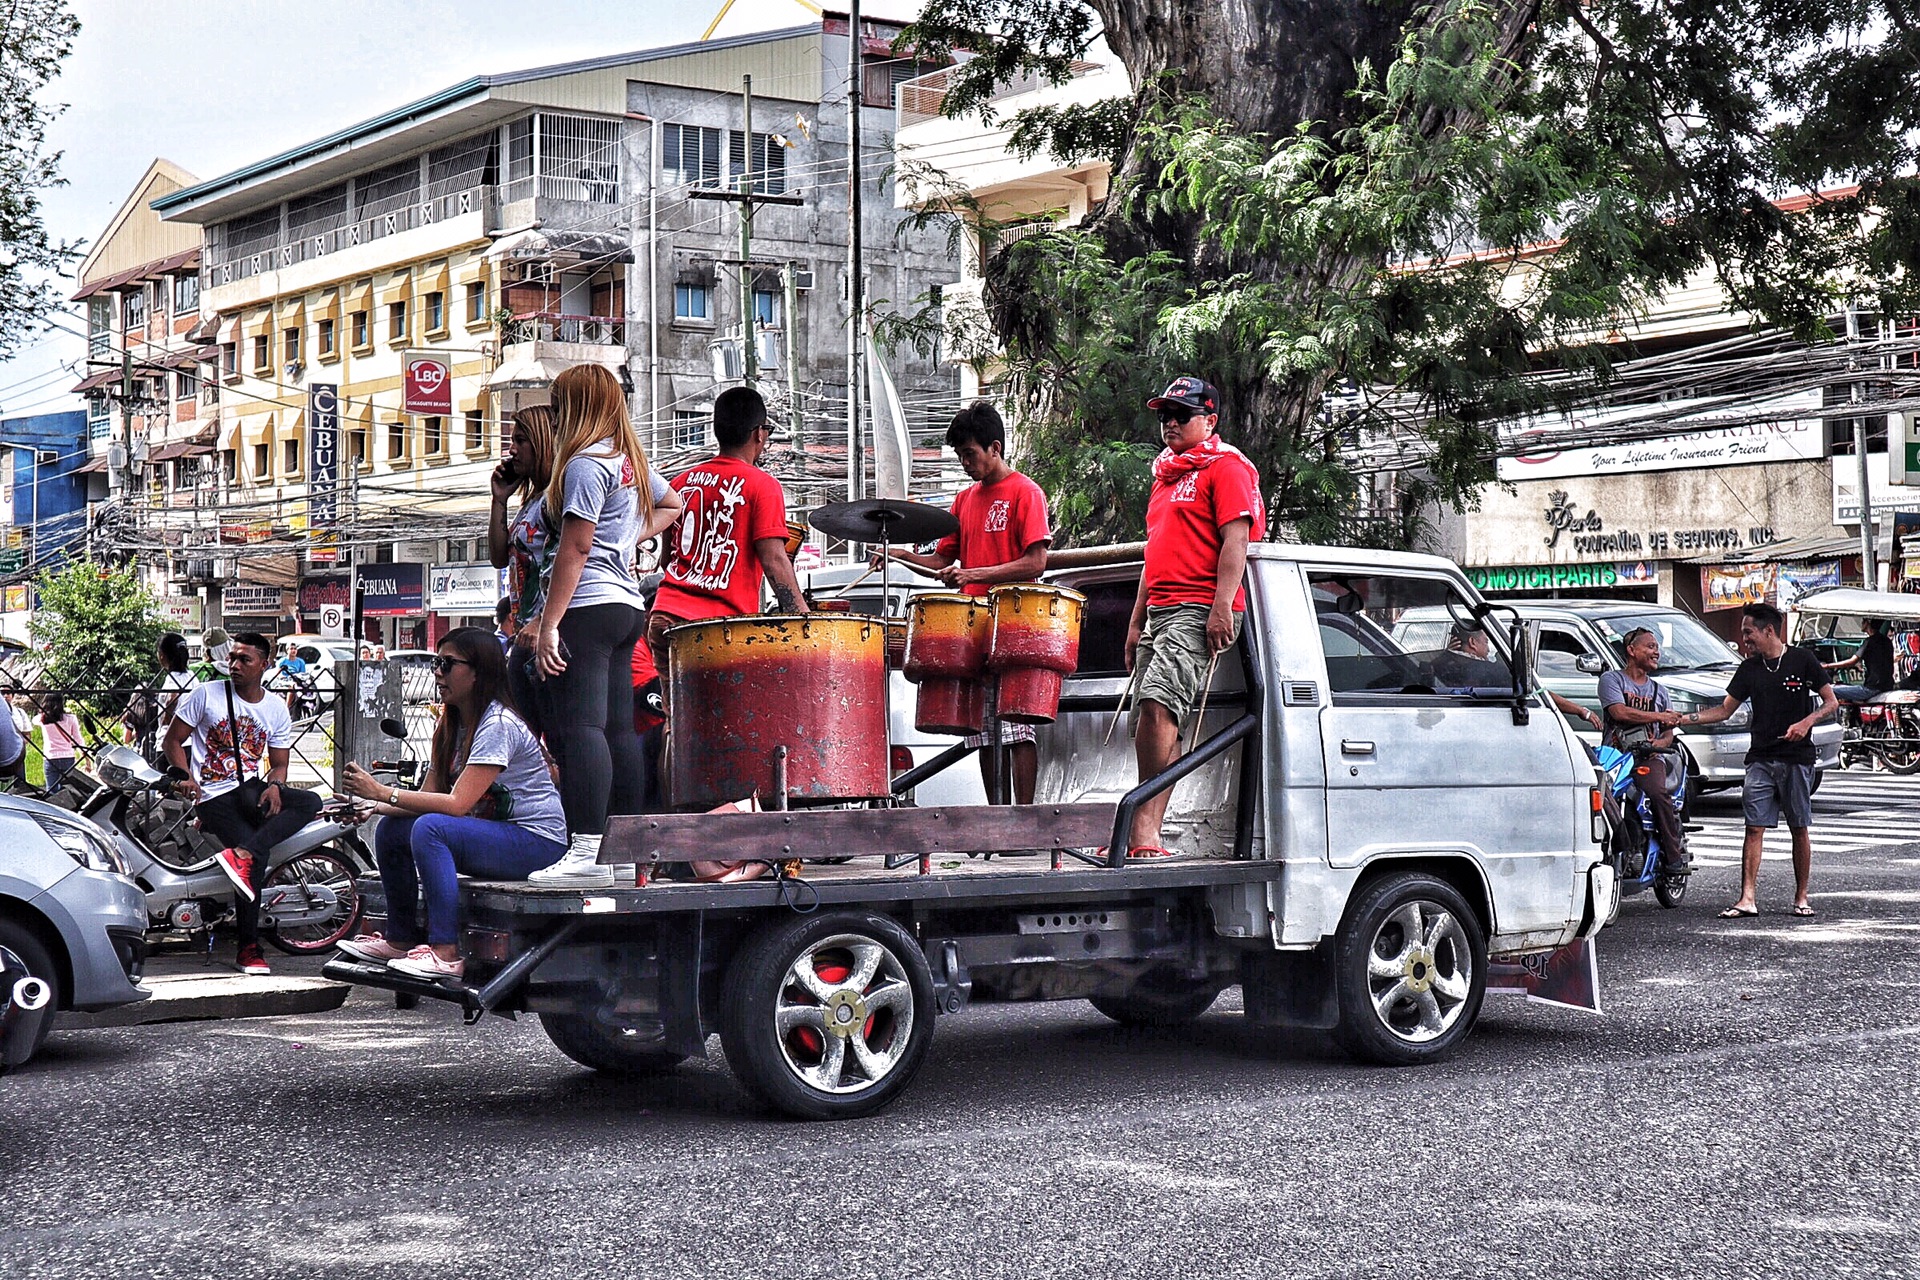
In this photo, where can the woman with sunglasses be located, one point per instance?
(488, 808)
(521, 546)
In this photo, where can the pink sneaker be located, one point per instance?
(423, 962)
(372, 947)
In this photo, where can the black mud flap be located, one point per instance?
(1290, 989)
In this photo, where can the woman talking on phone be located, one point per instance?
(601, 502)
(520, 546)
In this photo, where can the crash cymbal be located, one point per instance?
(884, 520)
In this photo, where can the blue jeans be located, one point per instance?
(1855, 693)
(424, 856)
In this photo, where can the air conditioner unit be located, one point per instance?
(727, 365)
(45, 457)
(803, 277)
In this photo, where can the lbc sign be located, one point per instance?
(428, 385)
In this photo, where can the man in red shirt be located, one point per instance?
(733, 537)
(1003, 537)
(1204, 510)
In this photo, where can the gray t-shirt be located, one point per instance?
(598, 486)
(502, 738)
(1615, 687)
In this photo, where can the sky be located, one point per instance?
(215, 84)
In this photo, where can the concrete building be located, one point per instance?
(512, 225)
(150, 417)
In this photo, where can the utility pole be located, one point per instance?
(790, 308)
(126, 419)
(749, 353)
(1869, 544)
(746, 197)
(855, 301)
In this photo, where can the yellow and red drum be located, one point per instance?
(947, 638)
(742, 687)
(1035, 643)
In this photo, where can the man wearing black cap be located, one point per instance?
(1204, 510)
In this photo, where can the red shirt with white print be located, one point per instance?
(712, 571)
(1197, 494)
(998, 522)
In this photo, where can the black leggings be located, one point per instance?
(588, 710)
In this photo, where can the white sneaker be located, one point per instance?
(578, 868)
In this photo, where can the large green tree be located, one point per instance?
(35, 37)
(1352, 196)
(95, 630)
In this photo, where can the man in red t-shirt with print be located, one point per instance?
(733, 537)
(1003, 537)
(1204, 510)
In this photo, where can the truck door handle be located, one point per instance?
(1355, 747)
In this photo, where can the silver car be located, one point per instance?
(72, 924)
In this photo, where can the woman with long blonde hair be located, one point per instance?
(602, 500)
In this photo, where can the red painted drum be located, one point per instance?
(743, 687)
(947, 636)
(1036, 641)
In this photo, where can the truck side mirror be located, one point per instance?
(1526, 650)
(1590, 664)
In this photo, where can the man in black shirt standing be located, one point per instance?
(1781, 682)
(1875, 660)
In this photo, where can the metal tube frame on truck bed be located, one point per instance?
(521, 928)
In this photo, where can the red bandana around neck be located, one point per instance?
(1169, 466)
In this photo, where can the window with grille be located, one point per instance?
(769, 162)
(135, 302)
(158, 307)
(520, 150)
(436, 312)
(361, 336)
(459, 166)
(99, 325)
(766, 308)
(476, 431)
(186, 385)
(186, 294)
(579, 158)
(322, 211)
(396, 321)
(690, 155)
(689, 428)
(262, 352)
(386, 189)
(229, 359)
(252, 232)
(433, 436)
(326, 337)
(292, 344)
(476, 303)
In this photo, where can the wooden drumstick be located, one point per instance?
(1206, 687)
(871, 570)
(1125, 695)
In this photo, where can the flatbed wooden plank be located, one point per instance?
(904, 832)
(1001, 881)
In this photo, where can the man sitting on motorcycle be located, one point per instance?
(1640, 720)
(232, 728)
(1875, 659)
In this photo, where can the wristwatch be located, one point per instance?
(394, 799)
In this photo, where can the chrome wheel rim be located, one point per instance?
(844, 1015)
(1419, 971)
(311, 871)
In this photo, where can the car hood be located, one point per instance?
(1708, 685)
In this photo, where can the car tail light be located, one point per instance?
(1599, 819)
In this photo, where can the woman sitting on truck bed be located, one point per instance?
(488, 808)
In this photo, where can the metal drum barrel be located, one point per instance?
(1036, 642)
(947, 636)
(743, 687)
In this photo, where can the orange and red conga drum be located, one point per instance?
(947, 640)
(1034, 644)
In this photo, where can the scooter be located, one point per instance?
(1633, 846)
(308, 899)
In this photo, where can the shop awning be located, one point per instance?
(92, 467)
(561, 247)
(525, 372)
(92, 380)
(179, 449)
(1791, 551)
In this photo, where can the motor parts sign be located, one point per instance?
(428, 385)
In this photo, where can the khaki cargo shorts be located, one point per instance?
(1170, 667)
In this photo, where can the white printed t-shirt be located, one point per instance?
(263, 725)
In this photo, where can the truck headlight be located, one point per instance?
(85, 843)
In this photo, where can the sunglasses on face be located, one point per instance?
(1178, 414)
(443, 665)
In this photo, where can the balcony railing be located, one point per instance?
(226, 263)
(547, 326)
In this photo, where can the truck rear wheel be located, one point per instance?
(1410, 962)
(1160, 999)
(614, 1050)
(828, 1017)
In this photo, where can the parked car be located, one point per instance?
(70, 920)
(1580, 639)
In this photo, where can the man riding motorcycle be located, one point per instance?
(1640, 720)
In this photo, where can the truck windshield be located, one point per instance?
(1685, 644)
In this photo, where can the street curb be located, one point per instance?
(199, 997)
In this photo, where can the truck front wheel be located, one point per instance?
(1411, 966)
(828, 1017)
(614, 1050)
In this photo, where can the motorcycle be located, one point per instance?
(1633, 844)
(308, 898)
(1885, 728)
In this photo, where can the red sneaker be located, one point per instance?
(237, 864)
(252, 962)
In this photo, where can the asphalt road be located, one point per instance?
(1745, 1107)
